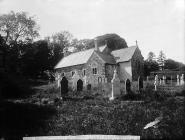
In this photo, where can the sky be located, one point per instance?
(155, 24)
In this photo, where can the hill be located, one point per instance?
(114, 41)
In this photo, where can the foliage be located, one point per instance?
(173, 65)
(161, 60)
(18, 26)
(150, 66)
(151, 57)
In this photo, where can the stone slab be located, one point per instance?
(85, 137)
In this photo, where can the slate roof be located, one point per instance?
(124, 54)
(107, 58)
(77, 58)
(82, 57)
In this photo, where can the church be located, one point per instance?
(97, 65)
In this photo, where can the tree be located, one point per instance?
(57, 43)
(151, 56)
(150, 66)
(161, 59)
(173, 65)
(18, 26)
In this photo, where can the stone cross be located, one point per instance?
(182, 79)
(115, 85)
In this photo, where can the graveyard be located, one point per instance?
(45, 112)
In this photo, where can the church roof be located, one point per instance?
(82, 57)
(124, 54)
(77, 58)
(107, 58)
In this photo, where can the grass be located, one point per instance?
(90, 113)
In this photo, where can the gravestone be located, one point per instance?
(64, 87)
(178, 80)
(115, 85)
(128, 86)
(164, 80)
(140, 83)
(156, 82)
(89, 87)
(79, 85)
(182, 79)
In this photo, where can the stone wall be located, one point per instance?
(137, 63)
(95, 62)
(109, 71)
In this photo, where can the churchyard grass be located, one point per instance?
(45, 114)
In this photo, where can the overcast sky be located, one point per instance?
(155, 24)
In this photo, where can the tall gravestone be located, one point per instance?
(182, 80)
(178, 80)
(128, 86)
(140, 83)
(115, 85)
(156, 82)
(64, 87)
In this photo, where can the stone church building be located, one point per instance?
(97, 65)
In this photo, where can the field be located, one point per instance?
(43, 113)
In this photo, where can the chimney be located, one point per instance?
(96, 45)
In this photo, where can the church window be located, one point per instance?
(84, 72)
(94, 70)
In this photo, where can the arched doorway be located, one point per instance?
(64, 86)
(79, 85)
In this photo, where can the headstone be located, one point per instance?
(115, 85)
(164, 79)
(89, 87)
(128, 86)
(178, 80)
(79, 85)
(140, 83)
(182, 79)
(156, 82)
(156, 79)
(64, 87)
